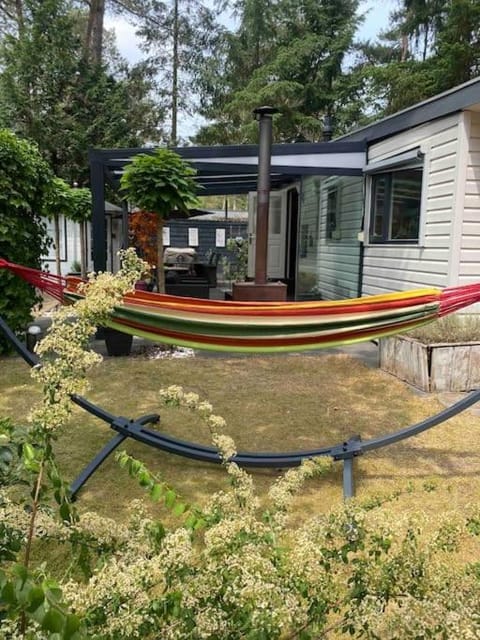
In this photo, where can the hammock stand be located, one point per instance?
(255, 327)
(345, 451)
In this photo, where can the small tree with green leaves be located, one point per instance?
(160, 183)
(24, 179)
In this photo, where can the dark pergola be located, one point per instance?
(223, 170)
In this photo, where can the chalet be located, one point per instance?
(388, 207)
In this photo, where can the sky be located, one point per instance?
(377, 13)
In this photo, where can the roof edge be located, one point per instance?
(451, 101)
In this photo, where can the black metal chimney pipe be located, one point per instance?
(264, 117)
(327, 131)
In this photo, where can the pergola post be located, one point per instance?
(99, 227)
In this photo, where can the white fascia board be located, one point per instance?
(348, 160)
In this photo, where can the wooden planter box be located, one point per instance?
(432, 367)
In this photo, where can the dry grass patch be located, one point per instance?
(270, 404)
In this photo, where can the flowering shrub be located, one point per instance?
(235, 568)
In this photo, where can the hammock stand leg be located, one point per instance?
(123, 426)
(348, 479)
(93, 465)
(347, 452)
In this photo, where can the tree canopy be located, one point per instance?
(287, 54)
(24, 181)
(303, 58)
(52, 93)
(429, 47)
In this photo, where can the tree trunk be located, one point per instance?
(425, 44)
(56, 239)
(20, 18)
(404, 53)
(160, 267)
(94, 33)
(173, 136)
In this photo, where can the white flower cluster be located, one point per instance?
(366, 571)
(66, 358)
(17, 518)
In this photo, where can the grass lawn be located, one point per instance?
(272, 404)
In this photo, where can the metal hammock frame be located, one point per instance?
(344, 452)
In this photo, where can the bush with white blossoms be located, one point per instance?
(236, 568)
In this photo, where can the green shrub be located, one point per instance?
(456, 328)
(24, 177)
(235, 269)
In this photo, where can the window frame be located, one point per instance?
(333, 233)
(411, 160)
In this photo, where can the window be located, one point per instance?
(62, 248)
(395, 206)
(333, 226)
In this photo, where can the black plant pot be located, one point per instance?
(117, 342)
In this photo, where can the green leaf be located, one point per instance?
(144, 478)
(200, 524)
(170, 498)
(8, 593)
(39, 613)
(20, 571)
(179, 508)
(72, 625)
(28, 452)
(65, 511)
(36, 597)
(156, 492)
(53, 621)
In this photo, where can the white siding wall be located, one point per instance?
(400, 267)
(469, 250)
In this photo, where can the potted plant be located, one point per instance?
(159, 183)
(117, 343)
(235, 268)
(441, 356)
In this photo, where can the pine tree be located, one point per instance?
(51, 94)
(296, 65)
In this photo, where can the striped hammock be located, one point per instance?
(263, 327)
